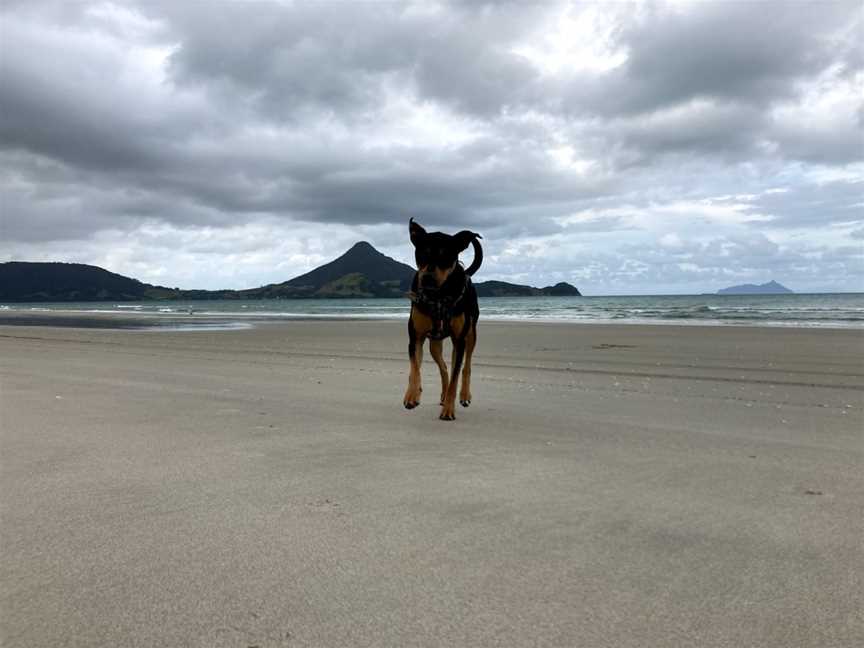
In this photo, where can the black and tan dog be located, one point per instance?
(443, 304)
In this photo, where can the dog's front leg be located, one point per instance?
(448, 410)
(436, 349)
(415, 357)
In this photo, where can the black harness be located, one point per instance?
(440, 307)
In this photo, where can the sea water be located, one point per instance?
(839, 310)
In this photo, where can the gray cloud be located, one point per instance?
(814, 205)
(343, 58)
(837, 143)
(728, 52)
(336, 117)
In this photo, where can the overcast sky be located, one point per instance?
(627, 148)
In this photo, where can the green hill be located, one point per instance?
(504, 289)
(361, 272)
(35, 282)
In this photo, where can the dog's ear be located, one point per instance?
(416, 231)
(464, 239)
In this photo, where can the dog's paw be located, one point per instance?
(447, 413)
(412, 399)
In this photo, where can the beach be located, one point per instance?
(610, 486)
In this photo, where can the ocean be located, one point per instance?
(840, 310)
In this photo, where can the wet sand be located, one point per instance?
(620, 486)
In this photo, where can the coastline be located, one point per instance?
(204, 320)
(610, 485)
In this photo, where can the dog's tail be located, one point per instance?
(478, 255)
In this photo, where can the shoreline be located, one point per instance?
(232, 321)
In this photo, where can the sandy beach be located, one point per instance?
(610, 486)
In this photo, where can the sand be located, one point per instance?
(620, 486)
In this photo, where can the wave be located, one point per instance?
(843, 311)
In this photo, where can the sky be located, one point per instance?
(627, 148)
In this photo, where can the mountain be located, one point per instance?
(561, 289)
(770, 288)
(361, 272)
(504, 289)
(35, 282)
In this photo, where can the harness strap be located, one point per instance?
(439, 308)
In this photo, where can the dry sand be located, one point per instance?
(620, 486)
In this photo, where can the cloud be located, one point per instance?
(722, 52)
(807, 205)
(572, 132)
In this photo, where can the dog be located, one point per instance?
(443, 304)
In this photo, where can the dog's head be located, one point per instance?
(437, 253)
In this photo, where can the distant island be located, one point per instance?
(770, 288)
(362, 272)
(504, 289)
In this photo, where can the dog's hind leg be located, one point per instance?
(415, 356)
(436, 349)
(470, 343)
